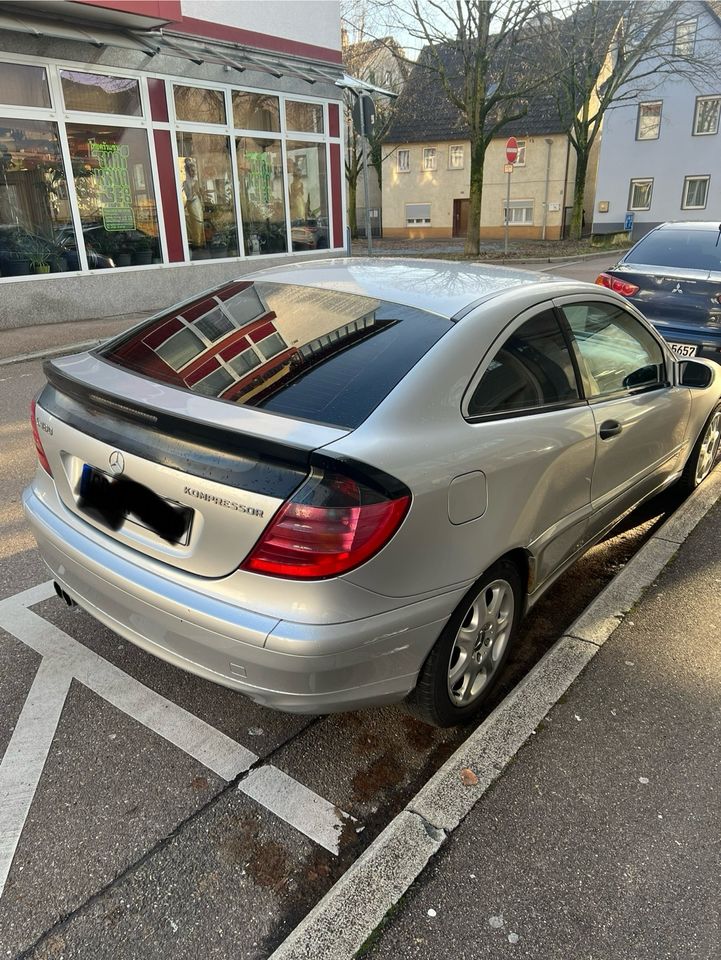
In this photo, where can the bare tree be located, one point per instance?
(483, 55)
(603, 53)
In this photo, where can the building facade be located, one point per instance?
(426, 188)
(659, 157)
(149, 150)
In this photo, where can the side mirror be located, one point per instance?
(695, 374)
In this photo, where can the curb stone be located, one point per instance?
(338, 926)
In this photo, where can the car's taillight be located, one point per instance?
(623, 287)
(331, 524)
(38, 445)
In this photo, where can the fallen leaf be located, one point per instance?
(468, 777)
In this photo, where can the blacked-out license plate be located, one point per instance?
(117, 499)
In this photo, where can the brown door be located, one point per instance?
(460, 217)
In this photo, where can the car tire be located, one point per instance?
(469, 655)
(705, 454)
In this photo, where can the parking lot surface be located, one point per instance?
(146, 810)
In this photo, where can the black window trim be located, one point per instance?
(514, 324)
(664, 384)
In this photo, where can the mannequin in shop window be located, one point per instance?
(297, 196)
(194, 213)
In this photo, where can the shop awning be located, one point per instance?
(153, 42)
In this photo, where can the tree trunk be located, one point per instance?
(579, 189)
(473, 237)
(352, 219)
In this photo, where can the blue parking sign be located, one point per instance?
(628, 222)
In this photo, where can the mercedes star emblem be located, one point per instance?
(117, 462)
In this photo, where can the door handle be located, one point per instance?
(609, 428)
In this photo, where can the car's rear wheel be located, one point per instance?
(468, 657)
(705, 454)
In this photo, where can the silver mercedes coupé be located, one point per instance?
(343, 482)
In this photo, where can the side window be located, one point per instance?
(619, 354)
(532, 369)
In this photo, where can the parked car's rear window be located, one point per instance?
(321, 355)
(693, 249)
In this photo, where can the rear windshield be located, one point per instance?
(695, 249)
(320, 355)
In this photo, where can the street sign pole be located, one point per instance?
(364, 147)
(511, 157)
(509, 168)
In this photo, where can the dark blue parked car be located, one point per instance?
(673, 275)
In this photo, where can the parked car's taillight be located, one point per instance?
(623, 287)
(38, 444)
(331, 524)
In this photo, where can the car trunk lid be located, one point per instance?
(229, 468)
(678, 297)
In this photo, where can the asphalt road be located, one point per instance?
(152, 812)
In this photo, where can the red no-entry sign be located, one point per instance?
(511, 149)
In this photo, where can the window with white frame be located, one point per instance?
(455, 156)
(521, 158)
(80, 179)
(429, 158)
(685, 37)
(695, 193)
(706, 116)
(640, 193)
(418, 214)
(648, 122)
(403, 161)
(519, 212)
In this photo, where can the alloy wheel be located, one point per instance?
(480, 642)
(709, 448)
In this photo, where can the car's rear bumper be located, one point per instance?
(706, 339)
(303, 668)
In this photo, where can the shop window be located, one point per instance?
(23, 86)
(114, 186)
(256, 111)
(36, 232)
(262, 201)
(271, 346)
(304, 117)
(198, 105)
(206, 188)
(307, 195)
(97, 93)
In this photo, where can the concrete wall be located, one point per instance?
(675, 155)
(59, 298)
(442, 186)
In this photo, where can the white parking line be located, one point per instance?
(297, 805)
(26, 754)
(65, 659)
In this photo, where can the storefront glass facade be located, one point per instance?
(92, 162)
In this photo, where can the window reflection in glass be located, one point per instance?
(308, 195)
(114, 186)
(96, 93)
(36, 232)
(206, 186)
(23, 86)
(256, 111)
(304, 117)
(260, 174)
(199, 105)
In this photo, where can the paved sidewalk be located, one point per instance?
(602, 840)
(54, 336)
